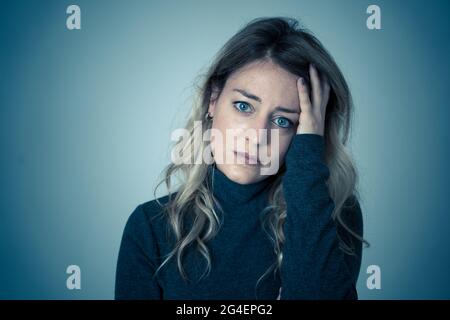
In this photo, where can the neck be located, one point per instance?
(229, 191)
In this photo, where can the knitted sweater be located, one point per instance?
(313, 265)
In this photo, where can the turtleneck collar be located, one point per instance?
(229, 191)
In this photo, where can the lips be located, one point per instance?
(250, 160)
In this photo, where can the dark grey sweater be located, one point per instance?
(314, 267)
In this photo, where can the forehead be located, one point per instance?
(267, 80)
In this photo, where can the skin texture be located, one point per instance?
(274, 86)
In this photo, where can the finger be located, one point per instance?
(325, 93)
(305, 102)
(316, 89)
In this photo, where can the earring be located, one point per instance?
(208, 116)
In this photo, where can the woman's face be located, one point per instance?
(261, 95)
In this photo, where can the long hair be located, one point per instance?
(293, 48)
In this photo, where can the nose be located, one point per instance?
(257, 133)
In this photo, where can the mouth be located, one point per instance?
(248, 159)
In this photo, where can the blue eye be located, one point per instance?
(242, 106)
(283, 122)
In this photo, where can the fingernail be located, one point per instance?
(301, 81)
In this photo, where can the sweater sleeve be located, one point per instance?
(136, 262)
(314, 266)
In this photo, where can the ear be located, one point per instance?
(212, 108)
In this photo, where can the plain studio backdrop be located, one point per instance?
(86, 117)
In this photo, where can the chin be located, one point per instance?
(242, 174)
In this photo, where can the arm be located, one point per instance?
(314, 267)
(136, 264)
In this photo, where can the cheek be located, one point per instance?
(284, 144)
(225, 120)
(222, 122)
(279, 148)
(222, 117)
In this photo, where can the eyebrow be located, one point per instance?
(247, 94)
(256, 98)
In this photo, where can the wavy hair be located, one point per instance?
(293, 48)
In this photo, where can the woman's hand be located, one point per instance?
(312, 112)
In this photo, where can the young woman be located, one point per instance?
(229, 231)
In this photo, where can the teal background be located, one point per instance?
(86, 117)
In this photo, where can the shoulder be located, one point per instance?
(146, 217)
(147, 211)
